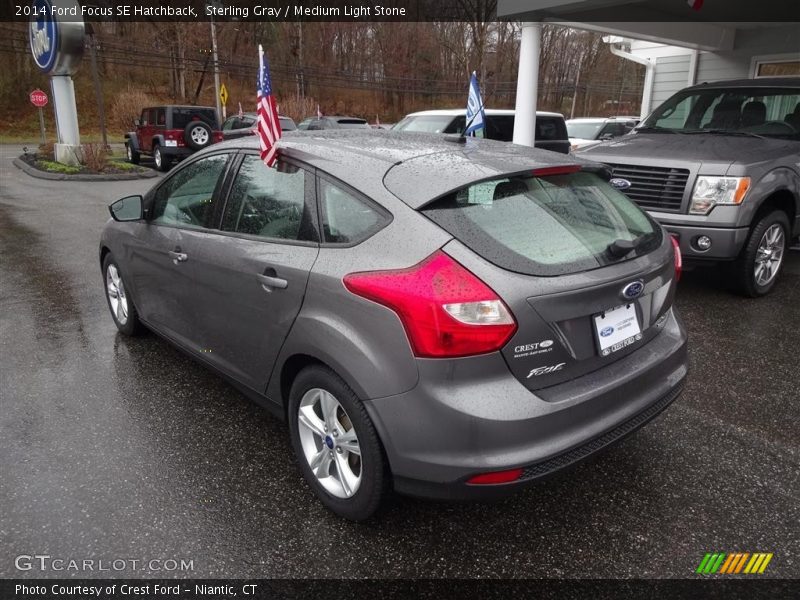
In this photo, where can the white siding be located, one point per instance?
(671, 73)
(714, 67)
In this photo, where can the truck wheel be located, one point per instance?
(133, 155)
(162, 162)
(756, 270)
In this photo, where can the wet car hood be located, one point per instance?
(695, 147)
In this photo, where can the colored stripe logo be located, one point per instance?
(734, 563)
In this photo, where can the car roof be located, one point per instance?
(769, 82)
(341, 117)
(189, 106)
(455, 112)
(415, 167)
(599, 119)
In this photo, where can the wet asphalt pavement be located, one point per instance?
(124, 448)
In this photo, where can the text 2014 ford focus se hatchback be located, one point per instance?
(451, 319)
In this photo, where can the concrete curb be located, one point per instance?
(39, 174)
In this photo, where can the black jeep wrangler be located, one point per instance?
(170, 133)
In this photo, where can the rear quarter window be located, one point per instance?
(347, 219)
(545, 226)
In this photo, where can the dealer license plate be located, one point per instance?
(617, 328)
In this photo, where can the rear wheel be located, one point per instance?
(119, 302)
(335, 444)
(162, 162)
(756, 270)
(133, 155)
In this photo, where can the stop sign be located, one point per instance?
(38, 98)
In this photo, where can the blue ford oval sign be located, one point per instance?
(619, 183)
(44, 35)
(606, 331)
(633, 290)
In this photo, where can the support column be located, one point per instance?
(527, 84)
(67, 150)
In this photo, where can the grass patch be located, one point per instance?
(55, 167)
(122, 164)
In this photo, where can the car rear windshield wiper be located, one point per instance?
(621, 248)
(726, 132)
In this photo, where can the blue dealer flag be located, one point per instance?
(475, 116)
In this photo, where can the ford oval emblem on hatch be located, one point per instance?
(619, 183)
(633, 290)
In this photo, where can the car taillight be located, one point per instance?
(678, 259)
(446, 310)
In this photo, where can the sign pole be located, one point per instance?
(41, 126)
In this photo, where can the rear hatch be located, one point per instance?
(588, 276)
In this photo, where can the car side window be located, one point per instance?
(161, 117)
(270, 203)
(143, 119)
(346, 219)
(228, 124)
(187, 198)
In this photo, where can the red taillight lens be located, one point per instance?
(446, 310)
(496, 477)
(676, 249)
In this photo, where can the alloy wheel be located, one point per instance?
(199, 136)
(329, 442)
(769, 255)
(116, 294)
(157, 157)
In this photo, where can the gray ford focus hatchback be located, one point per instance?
(450, 318)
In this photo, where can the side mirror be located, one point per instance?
(607, 136)
(127, 209)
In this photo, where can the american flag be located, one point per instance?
(269, 126)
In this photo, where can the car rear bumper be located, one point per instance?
(473, 417)
(176, 151)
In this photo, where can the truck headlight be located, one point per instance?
(711, 191)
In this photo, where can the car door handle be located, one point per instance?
(178, 256)
(269, 283)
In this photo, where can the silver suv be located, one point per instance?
(719, 166)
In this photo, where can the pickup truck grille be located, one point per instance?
(658, 188)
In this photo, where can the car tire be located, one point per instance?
(162, 162)
(756, 270)
(133, 156)
(198, 135)
(350, 484)
(124, 313)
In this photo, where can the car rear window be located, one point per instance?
(550, 128)
(181, 117)
(545, 226)
(352, 123)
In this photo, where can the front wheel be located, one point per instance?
(119, 302)
(756, 270)
(133, 155)
(335, 444)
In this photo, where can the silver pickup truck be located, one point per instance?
(718, 164)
